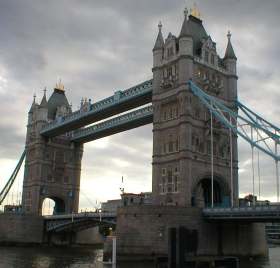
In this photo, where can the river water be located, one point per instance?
(45, 257)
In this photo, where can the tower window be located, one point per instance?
(206, 56)
(177, 145)
(170, 146)
(170, 52)
(163, 184)
(175, 183)
(169, 71)
(169, 177)
(212, 59)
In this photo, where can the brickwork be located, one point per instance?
(21, 229)
(181, 129)
(53, 165)
(143, 230)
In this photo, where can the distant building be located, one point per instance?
(136, 199)
(127, 199)
(251, 200)
(111, 205)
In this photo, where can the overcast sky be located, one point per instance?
(97, 47)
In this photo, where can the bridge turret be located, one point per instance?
(31, 110)
(52, 165)
(185, 37)
(230, 61)
(158, 48)
(43, 109)
(230, 58)
(186, 48)
(181, 136)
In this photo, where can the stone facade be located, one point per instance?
(19, 229)
(181, 133)
(52, 165)
(143, 230)
(182, 171)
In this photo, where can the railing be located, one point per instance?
(119, 96)
(81, 215)
(140, 113)
(260, 212)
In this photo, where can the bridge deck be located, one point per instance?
(246, 214)
(78, 221)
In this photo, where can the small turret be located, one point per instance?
(43, 108)
(158, 48)
(185, 37)
(44, 103)
(230, 58)
(32, 110)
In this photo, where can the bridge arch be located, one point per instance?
(201, 191)
(58, 205)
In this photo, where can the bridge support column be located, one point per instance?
(143, 230)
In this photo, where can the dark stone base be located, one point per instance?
(143, 230)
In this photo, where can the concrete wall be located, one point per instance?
(21, 229)
(143, 230)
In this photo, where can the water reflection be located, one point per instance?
(44, 257)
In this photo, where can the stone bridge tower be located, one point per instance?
(52, 165)
(181, 131)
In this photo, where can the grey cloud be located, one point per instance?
(97, 47)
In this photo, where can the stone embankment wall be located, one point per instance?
(21, 229)
(143, 230)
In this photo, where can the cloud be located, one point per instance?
(97, 47)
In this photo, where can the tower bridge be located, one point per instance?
(193, 104)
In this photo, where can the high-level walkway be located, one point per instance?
(121, 101)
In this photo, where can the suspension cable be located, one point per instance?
(212, 162)
(253, 171)
(277, 172)
(259, 174)
(231, 162)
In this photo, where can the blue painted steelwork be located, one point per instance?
(265, 133)
(78, 221)
(124, 122)
(11, 180)
(121, 101)
(273, 130)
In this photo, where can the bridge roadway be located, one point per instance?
(118, 124)
(121, 101)
(269, 213)
(78, 221)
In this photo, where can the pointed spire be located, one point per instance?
(33, 104)
(229, 51)
(44, 103)
(159, 42)
(185, 30)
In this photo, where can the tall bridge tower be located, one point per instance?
(53, 165)
(182, 147)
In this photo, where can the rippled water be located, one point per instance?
(16, 257)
